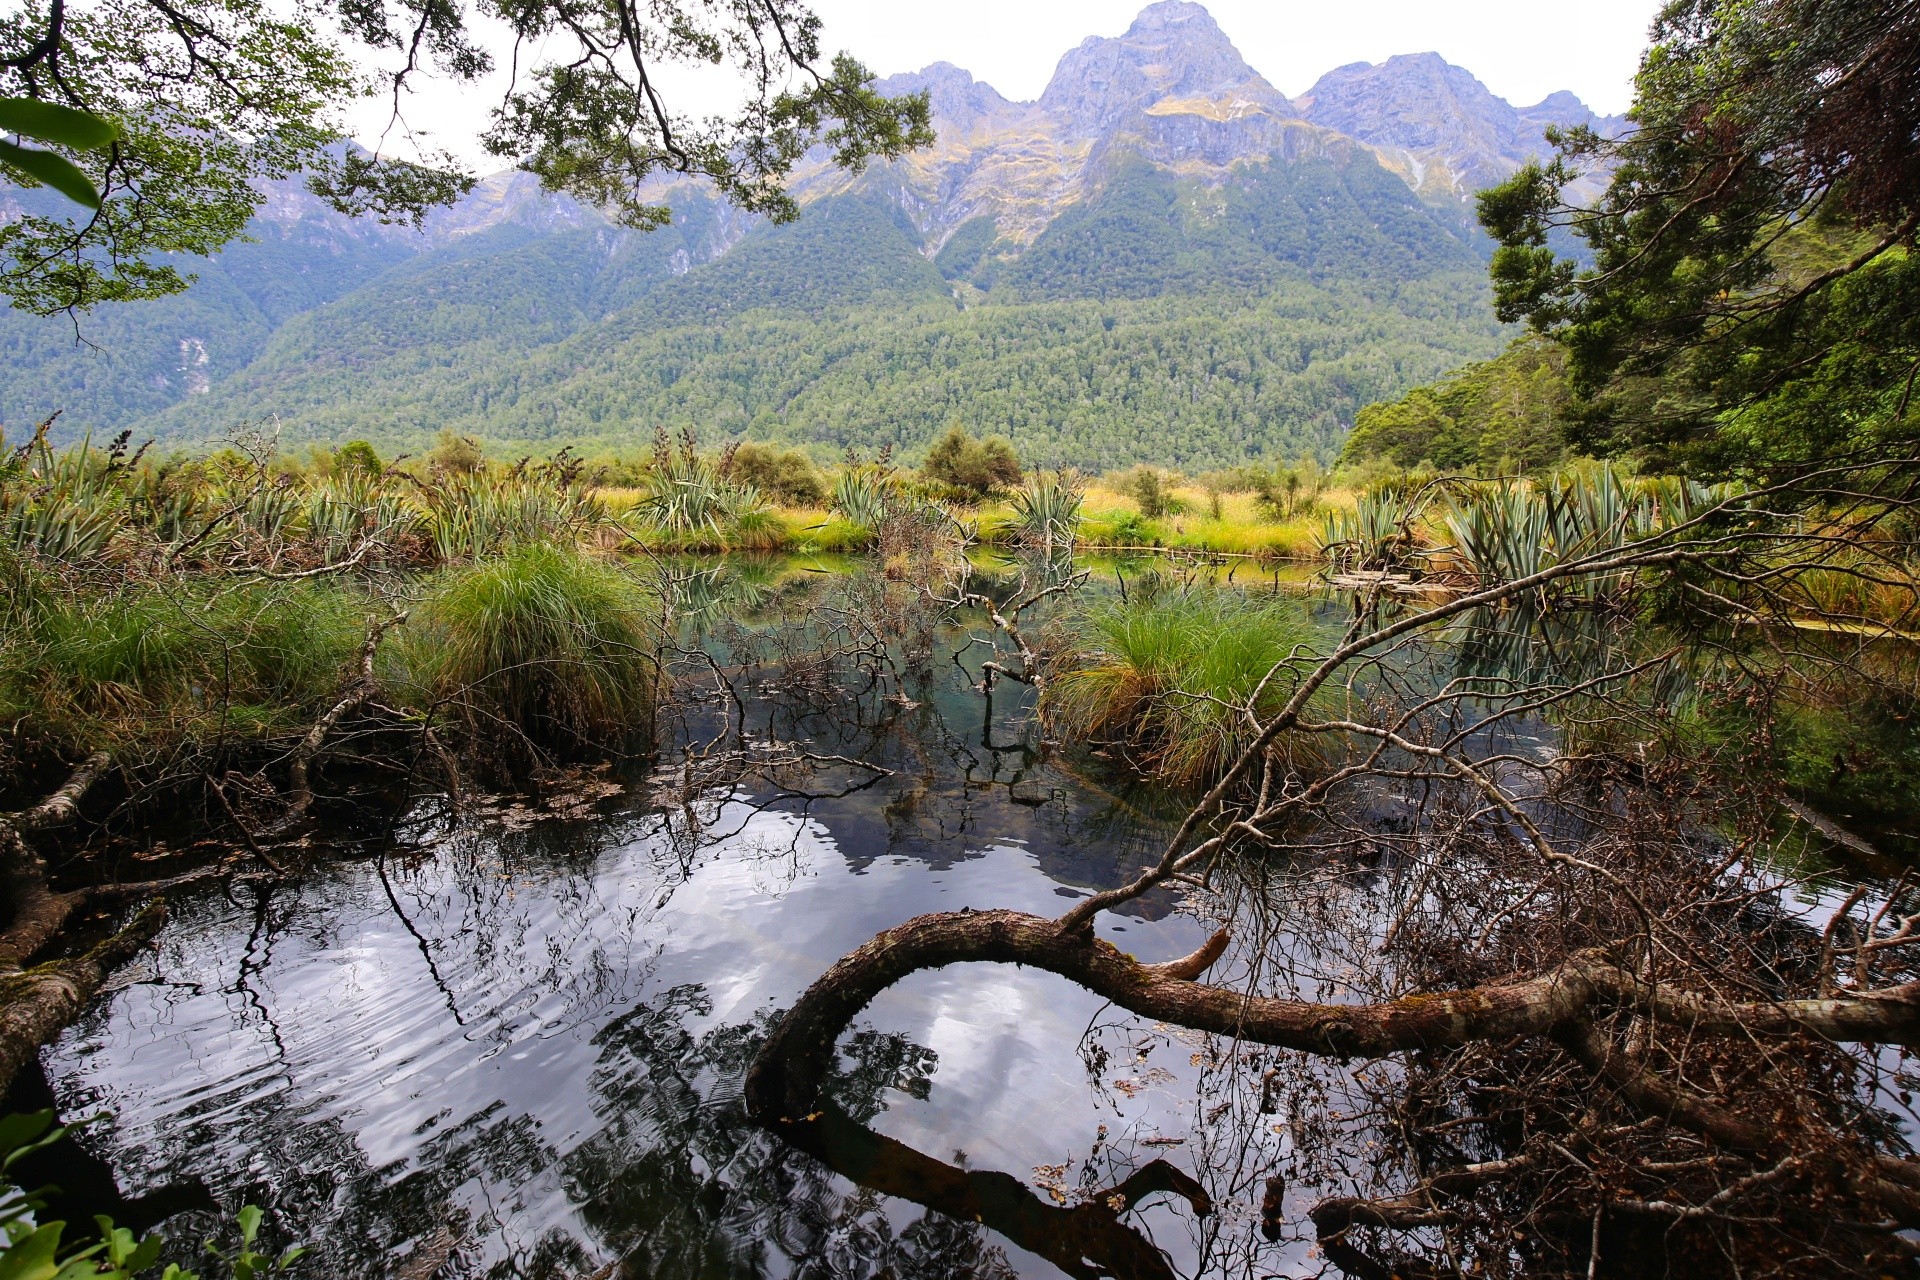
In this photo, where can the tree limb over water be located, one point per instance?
(1627, 960)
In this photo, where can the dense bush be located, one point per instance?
(785, 475)
(977, 468)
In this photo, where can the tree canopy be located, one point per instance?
(209, 97)
(1752, 297)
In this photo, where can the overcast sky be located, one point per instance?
(1522, 49)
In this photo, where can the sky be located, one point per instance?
(1521, 49)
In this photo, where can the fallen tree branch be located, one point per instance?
(37, 1004)
(38, 912)
(300, 762)
(783, 1087)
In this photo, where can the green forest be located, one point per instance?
(1142, 327)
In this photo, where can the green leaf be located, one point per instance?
(250, 1217)
(32, 1258)
(22, 1134)
(56, 171)
(143, 1257)
(51, 122)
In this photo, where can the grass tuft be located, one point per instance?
(546, 641)
(1162, 678)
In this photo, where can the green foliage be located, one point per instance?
(455, 455)
(31, 1250)
(1151, 489)
(210, 102)
(834, 331)
(152, 664)
(695, 501)
(64, 506)
(1857, 757)
(1286, 492)
(961, 256)
(977, 468)
(1376, 534)
(1150, 234)
(245, 1262)
(358, 456)
(1510, 530)
(471, 514)
(61, 126)
(543, 641)
(1164, 677)
(1753, 299)
(784, 475)
(864, 494)
(1047, 511)
(1508, 414)
(1121, 528)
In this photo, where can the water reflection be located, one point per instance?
(514, 1047)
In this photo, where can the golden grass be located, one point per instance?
(1109, 519)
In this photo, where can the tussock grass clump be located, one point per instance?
(545, 642)
(1163, 678)
(156, 665)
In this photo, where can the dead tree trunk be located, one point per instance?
(37, 1002)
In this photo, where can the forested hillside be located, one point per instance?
(1136, 329)
(1162, 259)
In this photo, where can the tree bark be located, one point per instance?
(784, 1084)
(36, 1005)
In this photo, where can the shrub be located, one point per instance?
(358, 455)
(455, 455)
(977, 468)
(1152, 490)
(787, 476)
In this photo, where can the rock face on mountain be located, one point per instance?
(1173, 53)
(1436, 125)
(1174, 90)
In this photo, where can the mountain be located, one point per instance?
(1160, 258)
(1437, 126)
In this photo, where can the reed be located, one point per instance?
(150, 666)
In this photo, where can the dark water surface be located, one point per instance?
(513, 1046)
(511, 1043)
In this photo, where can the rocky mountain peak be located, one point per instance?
(1173, 13)
(960, 103)
(1445, 132)
(1411, 100)
(1173, 52)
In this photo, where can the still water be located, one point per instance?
(510, 1044)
